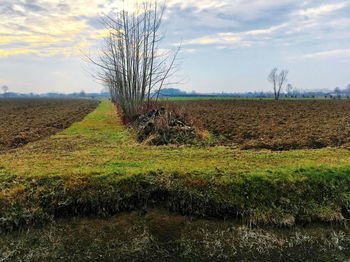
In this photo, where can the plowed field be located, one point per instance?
(26, 120)
(280, 125)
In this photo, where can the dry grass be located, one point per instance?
(160, 236)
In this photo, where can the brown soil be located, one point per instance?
(27, 120)
(280, 125)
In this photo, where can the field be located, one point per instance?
(92, 192)
(254, 124)
(27, 120)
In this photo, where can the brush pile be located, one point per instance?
(162, 127)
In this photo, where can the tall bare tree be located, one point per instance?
(278, 81)
(132, 64)
(273, 79)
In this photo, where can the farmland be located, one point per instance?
(266, 124)
(27, 120)
(91, 191)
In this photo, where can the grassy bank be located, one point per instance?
(160, 236)
(96, 168)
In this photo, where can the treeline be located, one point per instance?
(174, 92)
(295, 93)
(56, 95)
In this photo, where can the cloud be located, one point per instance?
(240, 9)
(189, 50)
(46, 27)
(100, 33)
(217, 39)
(239, 39)
(279, 23)
(330, 53)
(58, 26)
(12, 52)
(323, 9)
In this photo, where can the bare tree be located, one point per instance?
(277, 80)
(282, 79)
(4, 89)
(132, 64)
(273, 79)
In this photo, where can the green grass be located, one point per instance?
(96, 167)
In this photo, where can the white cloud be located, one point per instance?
(242, 8)
(323, 9)
(331, 53)
(189, 50)
(266, 31)
(305, 22)
(217, 39)
(232, 39)
(49, 27)
(58, 26)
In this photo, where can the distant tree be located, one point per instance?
(273, 79)
(5, 88)
(289, 89)
(337, 91)
(277, 80)
(82, 93)
(172, 92)
(347, 90)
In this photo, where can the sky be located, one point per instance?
(227, 45)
